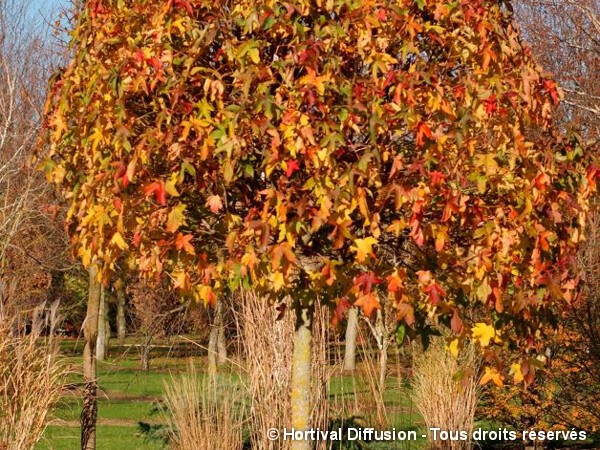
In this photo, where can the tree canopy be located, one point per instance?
(341, 147)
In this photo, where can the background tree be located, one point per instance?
(300, 148)
(564, 38)
(157, 313)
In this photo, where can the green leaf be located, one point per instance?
(400, 334)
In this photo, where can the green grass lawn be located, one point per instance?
(109, 437)
(128, 395)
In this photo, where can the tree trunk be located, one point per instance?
(221, 339)
(145, 353)
(217, 345)
(212, 349)
(382, 345)
(351, 333)
(101, 340)
(89, 411)
(121, 325)
(383, 358)
(107, 331)
(301, 377)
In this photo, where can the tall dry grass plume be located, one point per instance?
(31, 380)
(446, 390)
(321, 370)
(373, 402)
(266, 349)
(203, 413)
(267, 335)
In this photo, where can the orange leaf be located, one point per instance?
(368, 303)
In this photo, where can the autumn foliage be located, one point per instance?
(347, 148)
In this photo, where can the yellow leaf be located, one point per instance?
(277, 280)
(484, 333)
(206, 295)
(492, 374)
(363, 248)
(170, 185)
(249, 259)
(453, 348)
(515, 370)
(96, 138)
(119, 241)
(254, 55)
(176, 218)
(181, 281)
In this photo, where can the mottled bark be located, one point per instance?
(101, 339)
(301, 377)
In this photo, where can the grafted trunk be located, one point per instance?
(89, 411)
(351, 334)
(301, 377)
(121, 323)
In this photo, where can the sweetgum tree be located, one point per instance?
(338, 149)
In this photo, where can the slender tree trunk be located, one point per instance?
(301, 377)
(101, 339)
(121, 324)
(217, 345)
(90, 332)
(145, 353)
(351, 333)
(221, 339)
(382, 344)
(107, 331)
(212, 349)
(383, 359)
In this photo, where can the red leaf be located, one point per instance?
(292, 166)
(121, 169)
(185, 4)
(381, 15)
(366, 281)
(456, 323)
(158, 189)
(435, 292)
(340, 311)
(550, 88)
(423, 131)
(491, 105)
(137, 238)
(437, 178)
